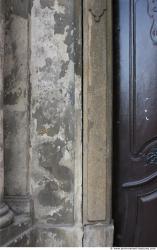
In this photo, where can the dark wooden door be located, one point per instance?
(135, 122)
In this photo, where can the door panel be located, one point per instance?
(135, 122)
(146, 221)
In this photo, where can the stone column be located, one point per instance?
(6, 216)
(97, 84)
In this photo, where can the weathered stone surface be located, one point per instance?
(1, 99)
(55, 118)
(78, 182)
(59, 237)
(50, 105)
(97, 123)
(15, 232)
(20, 204)
(16, 127)
(55, 113)
(97, 110)
(6, 215)
(98, 236)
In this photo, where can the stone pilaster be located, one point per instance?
(6, 216)
(98, 229)
(17, 106)
(56, 121)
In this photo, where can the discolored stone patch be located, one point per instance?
(47, 3)
(48, 196)
(17, 7)
(16, 88)
(52, 110)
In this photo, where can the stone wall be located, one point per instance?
(97, 121)
(46, 180)
(16, 103)
(56, 165)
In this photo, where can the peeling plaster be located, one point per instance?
(53, 101)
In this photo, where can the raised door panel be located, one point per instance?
(143, 76)
(135, 129)
(146, 220)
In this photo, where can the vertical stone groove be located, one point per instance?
(6, 216)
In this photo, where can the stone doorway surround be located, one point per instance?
(97, 126)
(89, 222)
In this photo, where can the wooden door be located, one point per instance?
(135, 122)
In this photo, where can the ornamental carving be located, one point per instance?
(151, 158)
(98, 9)
(152, 11)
